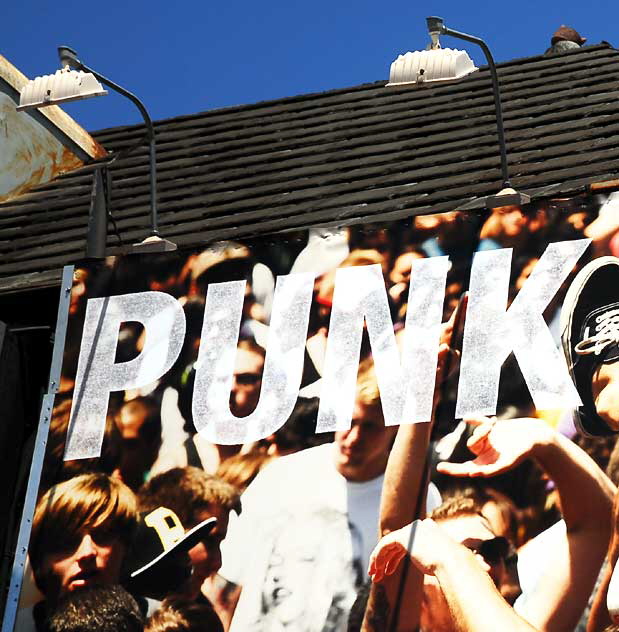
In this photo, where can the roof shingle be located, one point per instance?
(345, 156)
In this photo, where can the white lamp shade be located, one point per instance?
(64, 85)
(439, 64)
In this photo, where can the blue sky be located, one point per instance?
(183, 57)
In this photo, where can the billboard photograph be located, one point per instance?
(391, 426)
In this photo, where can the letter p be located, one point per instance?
(97, 372)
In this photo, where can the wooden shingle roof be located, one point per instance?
(339, 157)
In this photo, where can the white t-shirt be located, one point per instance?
(301, 546)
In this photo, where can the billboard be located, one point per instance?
(256, 431)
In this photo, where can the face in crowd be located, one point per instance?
(511, 220)
(605, 391)
(194, 496)
(92, 557)
(473, 531)
(80, 534)
(206, 555)
(362, 451)
(246, 382)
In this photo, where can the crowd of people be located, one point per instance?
(478, 524)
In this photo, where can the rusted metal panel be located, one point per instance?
(64, 124)
(36, 147)
(30, 154)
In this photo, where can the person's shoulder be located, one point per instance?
(302, 459)
(293, 471)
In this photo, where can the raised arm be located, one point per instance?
(405, 485)
(396, 603)
(474, 603)
(402, 500)
(585, 495)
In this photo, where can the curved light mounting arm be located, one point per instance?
(68, 57)
(436, 27)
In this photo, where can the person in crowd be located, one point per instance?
(81, 532)
(177, 614)
(139, 424)
(590, 337)
(511, 226)
(400, 277)
(79, 290)
(320, 315)
(244, 395)
(453, 233)
(194, 496)
(57, 469)
(242, 468)
(309, 520)
(299, 431)
(575, 554)
(374, 237)
(470, 599)
(97, 609)
(230, 261)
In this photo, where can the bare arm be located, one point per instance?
(474, 603)
(585, 495)
(599, 618)
(404, 477)
(402, 500)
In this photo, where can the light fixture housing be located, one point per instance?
(80, 83)
(430, 66)
(63, 86)
(507, 197)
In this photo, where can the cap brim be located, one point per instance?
(188, 541)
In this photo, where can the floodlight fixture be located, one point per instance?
(443, 64)
(76, 81)
(63, 86)
(430, 66)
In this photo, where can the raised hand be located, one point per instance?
(423, 540)
(498, 445)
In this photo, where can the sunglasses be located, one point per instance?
(494, 551)
(247, 379)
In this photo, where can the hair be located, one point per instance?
(97, 609)
(248, 344)
(151, 428)
(367, 385)
(241, 469)
(187, 491)
(362, 257)
(224, 261)
(299, 431)
(84, 502)
(482, 494)
(456, 507)
(183, 615)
